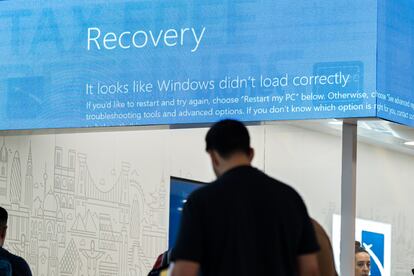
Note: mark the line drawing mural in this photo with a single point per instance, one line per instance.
(4, 162)
(65, 220)
(92, 256)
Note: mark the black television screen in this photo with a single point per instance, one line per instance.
(180, 189)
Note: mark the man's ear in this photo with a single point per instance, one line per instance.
(251, 154)
(3, 232)
(214, 157)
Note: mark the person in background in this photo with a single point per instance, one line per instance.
(325, 255)
(245, 223)
(16, 264)
(362, 260)
(161, 264)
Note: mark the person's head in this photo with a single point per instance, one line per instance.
(228, 144)
(362, 260)
(3, 225)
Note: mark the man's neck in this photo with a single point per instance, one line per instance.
(234, 162)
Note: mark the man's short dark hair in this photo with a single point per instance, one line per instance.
(3, 217)
(228, 137)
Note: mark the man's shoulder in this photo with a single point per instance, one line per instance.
(272, 183)
(22, 265)
(208, 190)
(5, 254)
(16, 262)
(17, 259)
(202, 192)
(20, 260)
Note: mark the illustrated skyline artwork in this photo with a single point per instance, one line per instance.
(66, 223)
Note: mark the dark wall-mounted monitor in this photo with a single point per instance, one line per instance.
(180, 189)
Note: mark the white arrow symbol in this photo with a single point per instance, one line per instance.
(374, 258)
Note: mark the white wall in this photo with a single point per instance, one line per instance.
(385, 193)
(118, 221)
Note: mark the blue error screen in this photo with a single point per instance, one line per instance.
(100, 63)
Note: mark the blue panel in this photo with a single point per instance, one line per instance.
(396, 61)
(23, 93)
(376, 242)
(100, 63)
(180, 189)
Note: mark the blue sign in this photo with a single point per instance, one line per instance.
(374, 236)
(99, 63)
(396, 61)
(375, 243)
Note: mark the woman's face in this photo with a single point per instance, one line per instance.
(362, 264)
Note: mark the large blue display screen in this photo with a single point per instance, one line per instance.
(396, 61)
(180, 189)
(111, 63)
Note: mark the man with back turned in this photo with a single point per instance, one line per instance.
(10, 264)
(244, 223)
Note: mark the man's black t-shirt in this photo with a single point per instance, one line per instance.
(245, 223)
(18, 264)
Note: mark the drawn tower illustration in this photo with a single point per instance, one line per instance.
(16, 180)
(4, 160)
(28, 195)
(83, 178)
(64, 179)
(123, 183)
